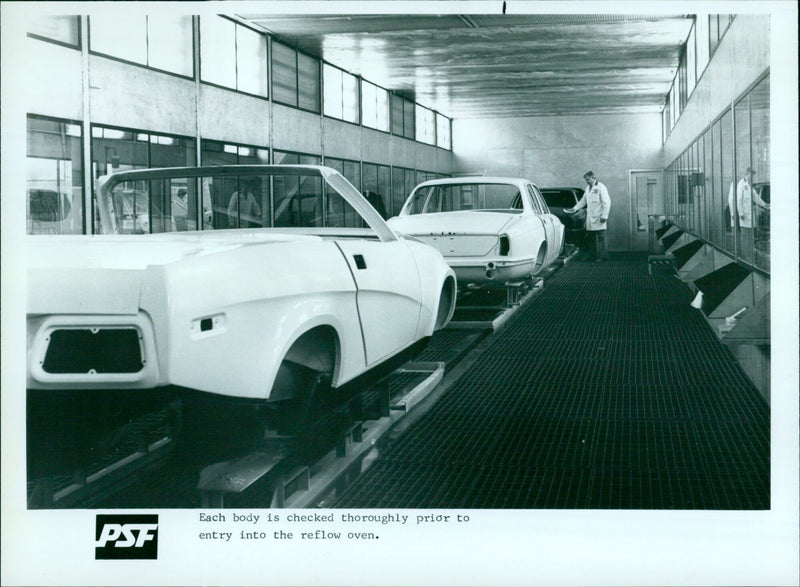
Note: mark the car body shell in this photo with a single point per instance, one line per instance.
(559, 198)
(486, 246)
(218, 311)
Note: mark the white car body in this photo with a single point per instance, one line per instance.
(512, 237)
(219, 311)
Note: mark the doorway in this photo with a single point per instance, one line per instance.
(646, 203)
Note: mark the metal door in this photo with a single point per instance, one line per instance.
(388, 294)
(646, 201)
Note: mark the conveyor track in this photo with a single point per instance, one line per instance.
(607, 391)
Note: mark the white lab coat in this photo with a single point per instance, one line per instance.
(597, 203)
(746, 196)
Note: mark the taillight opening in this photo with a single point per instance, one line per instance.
(505, 245)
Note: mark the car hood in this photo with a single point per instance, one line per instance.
(462, 222)
(107, 272)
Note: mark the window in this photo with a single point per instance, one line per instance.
(350, 110)
(691, 62)
(377, 187)
(308, 83)
(403, 182)
(713, 33)
(233, 56)
(339, 212)
(682, 83)
(720, 224)
(369, 102)
(397, 114)
(284, 74)
(760, 161)
(127, 42)
(442, 131)
(374, 106)
(115, 149)
(170, 39)
(467, 196)
(341, 94)
(163, 42)
(251, 62)
(425, 125)
(62, 29)
(408, 119)
(220, 153)
(382, 109)
(701, 38)
(296, 198)
(288, 158)
(708, 185)
(402, 114)
(54, 170)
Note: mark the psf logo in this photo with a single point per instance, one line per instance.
(133, 536)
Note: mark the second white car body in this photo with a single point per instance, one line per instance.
(489, 229)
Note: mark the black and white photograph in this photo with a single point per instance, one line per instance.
(400, 293)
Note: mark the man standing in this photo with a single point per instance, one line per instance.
(598, 204)
(746, 197)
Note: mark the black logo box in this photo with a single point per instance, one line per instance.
(126, 536)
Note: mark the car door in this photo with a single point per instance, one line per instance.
(388, 295)
(553, 232)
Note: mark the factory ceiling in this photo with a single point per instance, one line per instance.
(494, 66)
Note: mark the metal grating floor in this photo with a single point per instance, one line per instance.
(607, 391)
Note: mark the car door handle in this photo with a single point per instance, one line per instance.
(360, 262)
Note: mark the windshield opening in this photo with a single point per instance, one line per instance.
(184, 203)
(466, 196)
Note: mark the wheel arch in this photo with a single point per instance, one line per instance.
(318, 348)
(447, 302)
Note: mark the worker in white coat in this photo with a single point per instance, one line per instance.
(598, 204)
(746, 196)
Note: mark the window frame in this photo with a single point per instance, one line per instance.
(199, 45)
(147, 65)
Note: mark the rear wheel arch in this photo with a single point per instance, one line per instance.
(317, 349)
(541, 255)
(447, 303)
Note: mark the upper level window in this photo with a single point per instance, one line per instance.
(442, 131)
(308, 90)
(691, 62)
(284, 74)
(163, 42)
(701, 38)
(295, 78)
(402, 117)
(374, 106)
(341, 94)
(63, 29)
(233, 56)
(426, 125)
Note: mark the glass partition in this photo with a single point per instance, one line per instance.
(54, 182)
(719, 187)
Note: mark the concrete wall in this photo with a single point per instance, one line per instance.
(557, 150)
